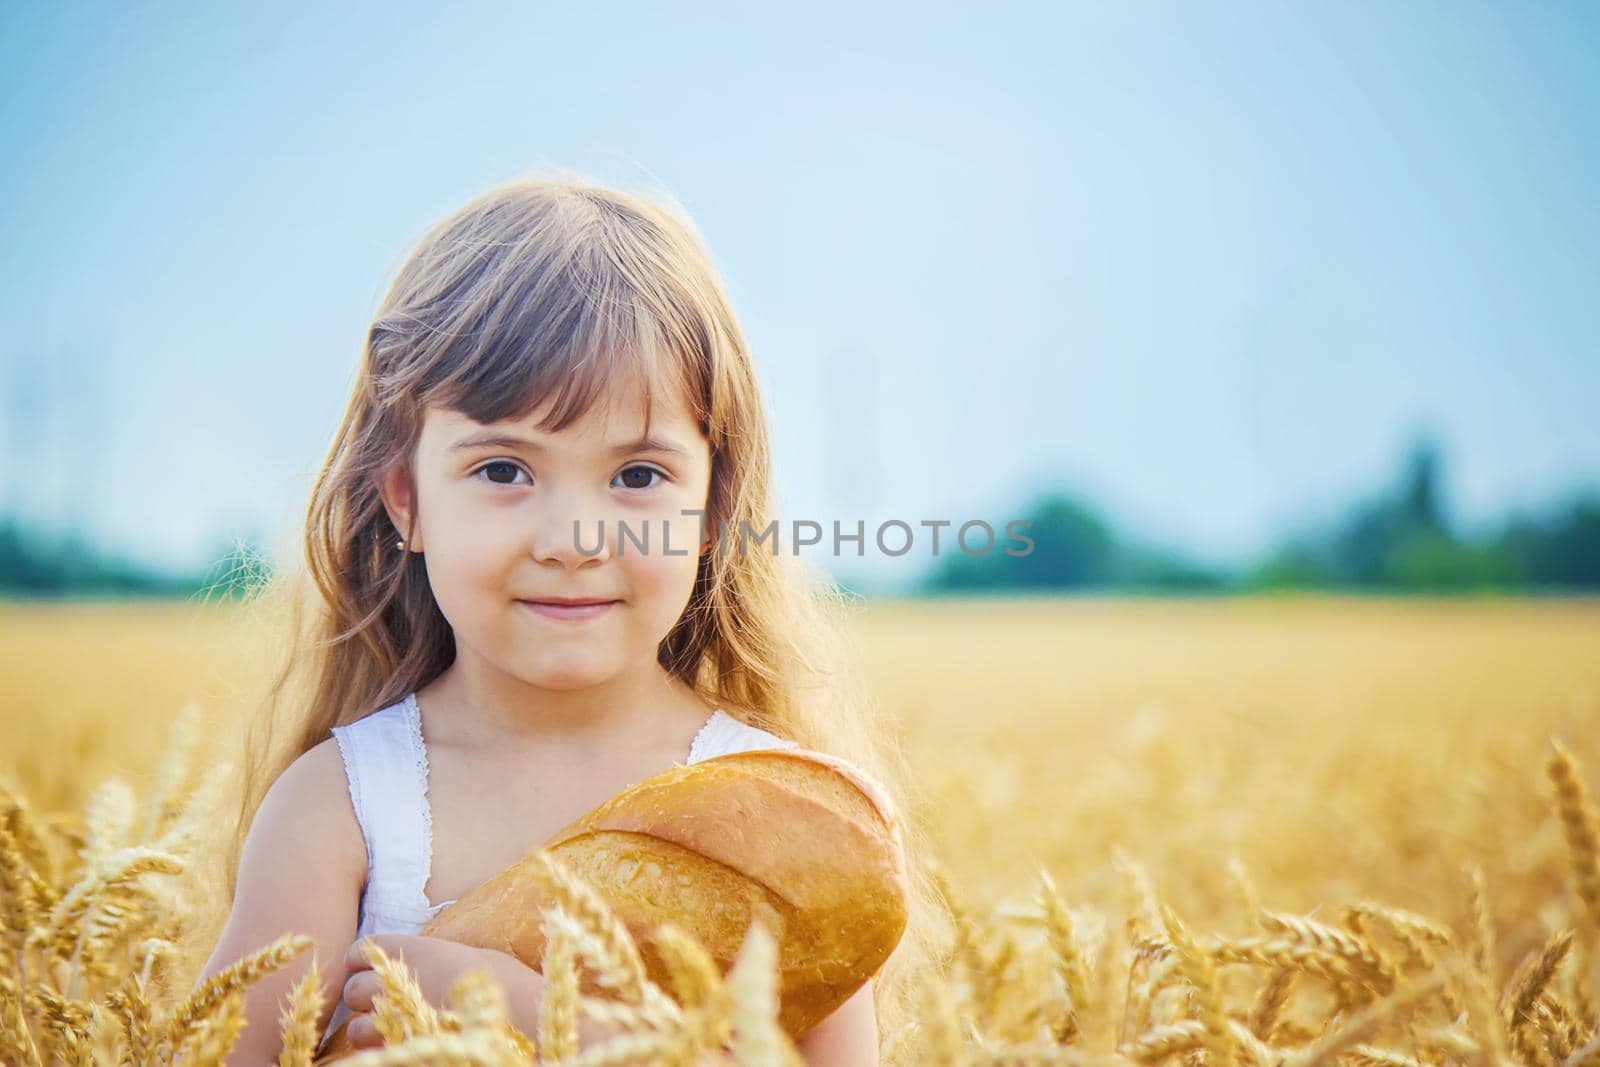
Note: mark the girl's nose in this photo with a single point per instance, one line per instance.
(571, 539)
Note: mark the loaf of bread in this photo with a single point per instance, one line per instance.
(805, 840)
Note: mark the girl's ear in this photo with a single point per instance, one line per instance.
(709, 539)
(398, 493)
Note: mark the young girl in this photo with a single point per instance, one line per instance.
(486, 660)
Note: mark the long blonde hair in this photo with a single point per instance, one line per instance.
(539, 288)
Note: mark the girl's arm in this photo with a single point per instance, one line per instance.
(846, 1038)
(300, 871)
(525, 1000)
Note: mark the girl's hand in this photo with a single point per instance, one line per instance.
(436, 963)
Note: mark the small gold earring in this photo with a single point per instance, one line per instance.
(400, 545)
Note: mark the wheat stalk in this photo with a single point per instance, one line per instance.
(1389, 987)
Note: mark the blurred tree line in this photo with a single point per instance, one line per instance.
(35, 563)
(1400, 541)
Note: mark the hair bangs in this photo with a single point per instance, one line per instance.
(561, 345)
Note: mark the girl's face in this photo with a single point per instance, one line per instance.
(498, 507)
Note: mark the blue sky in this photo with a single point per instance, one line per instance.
(1210, 264)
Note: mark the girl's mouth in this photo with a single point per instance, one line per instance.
(575, 612)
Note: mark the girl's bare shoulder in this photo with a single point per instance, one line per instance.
(297, 874)
(315, 791)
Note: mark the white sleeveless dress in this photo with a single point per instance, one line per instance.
(386, 767)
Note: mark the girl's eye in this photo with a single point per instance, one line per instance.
(499, 463)
(636, 470)
(640, 474)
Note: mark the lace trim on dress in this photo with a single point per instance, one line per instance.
(420, 748)
(357, 798)
(699, 737)
(724, 734)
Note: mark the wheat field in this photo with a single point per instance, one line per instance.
(1268, 831)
